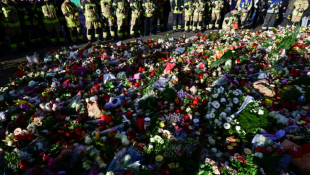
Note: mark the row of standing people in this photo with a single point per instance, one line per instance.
(33, 20)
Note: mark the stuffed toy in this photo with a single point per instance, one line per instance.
(260, 86)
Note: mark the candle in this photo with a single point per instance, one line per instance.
(141, 124)
(129, 114)
(147, 122)
(186, 118)
(107, 117)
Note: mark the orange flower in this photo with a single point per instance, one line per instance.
(220, 54)
(231, 48)
(214, 56)
(225, 50)
(177, 101)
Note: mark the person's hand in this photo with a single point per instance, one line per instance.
(244, 11)
(284, 8)
(263, 10)
(276, 7)
(300, 10)
(74, 18)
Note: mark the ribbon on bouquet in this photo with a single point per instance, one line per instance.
(247, 100)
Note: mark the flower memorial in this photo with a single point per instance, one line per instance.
(220, 103)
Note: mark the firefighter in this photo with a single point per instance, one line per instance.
(273, 7)
(199, 6)
(167, 10)
(230, 20)
(107, 18)
(12, 24)
(136, 8)
(149, 9)
(24, 9)
(189, 12)
(50, 20)
(61, 19)
(244, 6)
(177, 6)
(300, 6)
(217, 7)
(91, 11)
(37, 25)
(207, 14)
(121, 7)
(159, 15)
(71, 12)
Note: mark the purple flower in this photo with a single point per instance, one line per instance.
(26, 107)
(182, 94)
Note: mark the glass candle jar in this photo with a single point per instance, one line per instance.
(147, 122)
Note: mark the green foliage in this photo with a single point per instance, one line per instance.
(289, 40)
(250, 119)
(227, 55)
(291, 94)
(169, 94)
(148, 104)
(248, 168)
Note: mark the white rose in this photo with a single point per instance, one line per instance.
(238, 128)
(260, 112)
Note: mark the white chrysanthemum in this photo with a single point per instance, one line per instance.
(88, 140)
(208, 116)
(223, 114)
(236, 93)
(223, 100)
(215, 95)
(216, 121)
(212, 115)
(213, 110)
(226, 125)
(236, 100)
(228, 119)
(227, 109)
(231, 104)
(216, 104)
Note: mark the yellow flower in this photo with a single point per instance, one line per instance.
(268, 102)
(162, 124)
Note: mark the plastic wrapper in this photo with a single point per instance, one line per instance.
(159, 84)
(115, 128)
(37, 145)
(77, 151)
(124, 159)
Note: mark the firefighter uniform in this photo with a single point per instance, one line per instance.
(91, 11)
(273, 7)
(300, 6)
(149, 9)
(37, 24)
(177, 6)
(121, 7)
(24, 9)
(199, 6)
(228, 22)
(136, 8)
(207, 14)
(243, 5)
(71, 12)
(217, 7)
(107, 18)
(159, 14)
(189, 12)
(167, 9)
(61, 18)
(11, 24)
(50, 20)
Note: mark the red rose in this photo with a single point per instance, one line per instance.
(264, 150)
(23, 164)
(30, 137)
(258, 149)
(67, 134)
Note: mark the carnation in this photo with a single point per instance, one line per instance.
(216, 104)
(17, 131)
(236, 100)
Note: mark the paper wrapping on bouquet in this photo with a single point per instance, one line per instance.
(220, 82)
(76, 152)
(38, 144)
(124, 158)
(32, 59)
(247, 100)
(169, 67)
(259, 76)
(279, 134)
(300, 155)
(260, 86)
(107, 77)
